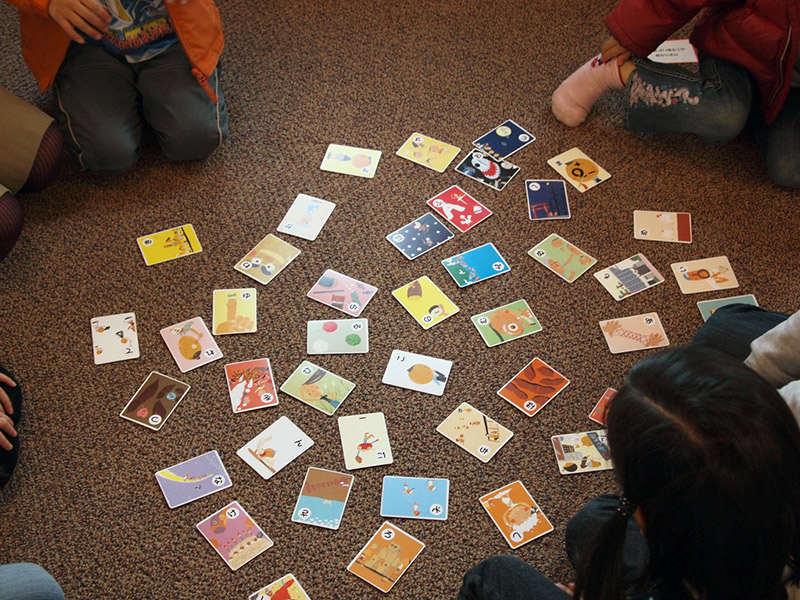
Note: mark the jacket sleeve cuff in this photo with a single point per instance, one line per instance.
(41, 7)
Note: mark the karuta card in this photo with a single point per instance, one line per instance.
(234, 311)
(269, 257)
(505, 139)
(629, 277)
(659, 226)
(306, 217)
(578, 169)
(674, 51)
(385, 557)
(365, 441)
(351, 161)
(705, 275)
(114, 338)
(234, 535)
(191, 344)
(420, 236)
(533, 387)
(709, 307)
(317, 387)
(322, 498)
(287, 587)
(339, 336)
(484, 169)
(598, 414)
(191, 479)
(428, 152)
(459, 208)
(547, 199)
(475, 432)
(505, 323)
(638, 332)
(251, 385)
(154, 401)
(476, 265)
(582, 452)
(342, 292)
(425, 302)
(417, 372)
(169, 244)
(275, 447)
(415, 497)
(516, 514)
(562, 258)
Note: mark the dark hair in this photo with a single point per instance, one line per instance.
(710, 454)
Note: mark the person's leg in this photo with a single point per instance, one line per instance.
(732, 328)
(99, 109)
(188, 124)
(47, 162)
(27, 581)
(8, 458)
(780, 143)
(508, 578)
(11, 220)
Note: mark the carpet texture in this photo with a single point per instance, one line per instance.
(298, 76)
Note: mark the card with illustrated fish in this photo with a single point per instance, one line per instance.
(154, 401)
(234, 535)
(317, 387)
(415, 498)
(516, 514)
(476, 265)
(365, 441)
(428, 152)
(475, 432)
(306, 217)
(251, 385)
(417, 372)
(425, 302)
(582, 452)
(533, 387)
(629, 277)
(234, 311)
(578, 169)
(420, 236)
(169, 244)
(562, 258)
(505, 323)
(191, 479)
(114, 338)
(269, 257)
(638, 332)
(385, 557)
(547, 199)
(709, 307)
(598, 414)
(191, 344)
(275, 447)
(484, 169)
(342, 292)
(660, 226)
(338, 336)
(323, 498)
(351, 161)
(459, 208)
(505, 139)
(704, 275)
(287, 587)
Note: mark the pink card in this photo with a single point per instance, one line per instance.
(342, 292)
(191, 344)
(459, 208)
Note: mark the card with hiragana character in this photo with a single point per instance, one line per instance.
(269, 257)
(705, 275)
(114, 338)
(317, 387)
(169, 244)
(478, 434)
(505, 323)
(323, 498)
(234, 311)
(660, 226)
(420, 236)
(481, 167)
(191, 344)
(155, 401)
(365, 441)
(342, 292)
(192, 479)
(251, 385)
(275, 447)
(385, 557)
(306, 217)
(505, 139)
(516, 514)
(459, 208)
(476, 265)
(578, 169)
(425, 302)
(234, 535)
(629, 277)
(582, 452)
(417, 372)
(638, 332)
(351, 161)
(547, 199)
(428, 152)
(562, 258)
(337, 336)
(415, 497)
(287, 587)
(533, 387)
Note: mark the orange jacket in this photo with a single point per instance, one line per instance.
(197, 25)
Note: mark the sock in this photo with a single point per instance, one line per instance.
(574, 98)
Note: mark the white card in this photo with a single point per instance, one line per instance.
(306, 217)
(417, 372)
(114, 338)
(674, 51)
(275, 447)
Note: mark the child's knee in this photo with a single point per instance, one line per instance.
(193, 142)
(110, 156)
(784, 170)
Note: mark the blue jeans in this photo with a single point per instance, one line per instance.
(732, 328)
(26, 581)
(102, 100)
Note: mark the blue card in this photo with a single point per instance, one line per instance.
(547, 199)
(415, 498)
(476, 265)
(420, 236)
(708, 307)
(502, 141)
(322, 498)
(192, 479)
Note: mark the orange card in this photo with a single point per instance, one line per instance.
(386, 556)
(598, 414)
(516, 515)
(533, 387)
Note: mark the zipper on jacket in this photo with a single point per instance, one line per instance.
(780, 64)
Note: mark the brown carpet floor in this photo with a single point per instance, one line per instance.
(84, 502)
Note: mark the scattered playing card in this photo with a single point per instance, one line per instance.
(516, 514)
(580, 170)
(502, 141)
(385, 557)
(154, 401)
(169, 244)
(425, 302)
(420, 236)
(287, 587)
(505, 323)
(322, 498)
(340, 336)
(191, 344)
(365, 441)
(251, 385)
(191, 479)
(317, 387)
(415, 498)
(484, 169)
(428, 152)
(275, 447)
(598, 414)
(306, 217)
(459, 208)
(342, 292)
(561, 257)
(475, 432)
(533, 387)
(234, 535)
(629, 277)
(269, 257)
(705, 275)
(673, 52)
(234, 311)
(547, 199)
(114, 338)
(709, 307)
(417, 372)
(476, 265)
(351, 161)
(582, 452)
(660, 226)
(638, 332)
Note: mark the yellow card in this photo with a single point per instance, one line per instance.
(428, 152)
(269, 257)
(234, 311)
(426, 302)
(580, 170)
(168, 244)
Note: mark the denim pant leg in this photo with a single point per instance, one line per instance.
(26, 581)
(732, 328)
(780, 143)
(508, 578)
(8, 458)
(713, 103)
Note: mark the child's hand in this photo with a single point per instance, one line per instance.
(612, 49)
(5, 401)
(7, 426)
(89, 16)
